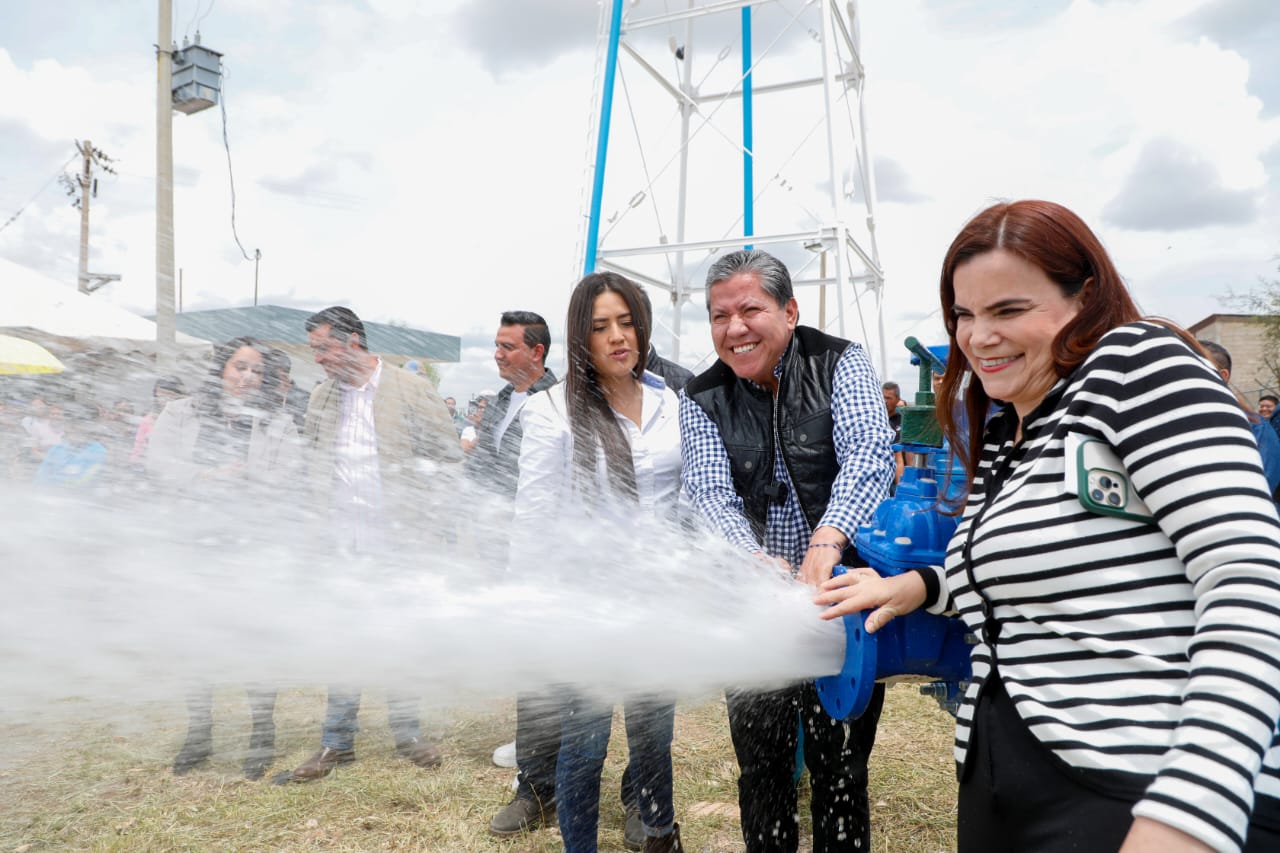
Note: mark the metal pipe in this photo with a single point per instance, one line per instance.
(829, 70)
(687, 107)
(748, 138)
(602, 141)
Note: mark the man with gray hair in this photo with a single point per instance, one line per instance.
(786, 447)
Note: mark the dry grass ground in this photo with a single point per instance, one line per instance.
(106, 786)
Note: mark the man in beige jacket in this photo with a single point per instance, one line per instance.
(379, 441)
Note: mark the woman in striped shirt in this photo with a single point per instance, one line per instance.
(1118, 560)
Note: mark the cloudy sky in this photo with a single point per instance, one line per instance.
(425, 162)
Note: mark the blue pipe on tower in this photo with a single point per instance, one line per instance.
(602, 141)
(748, 141)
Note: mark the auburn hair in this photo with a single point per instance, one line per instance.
(1061, 245)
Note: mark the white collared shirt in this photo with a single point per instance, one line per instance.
(546, 493)
(357, 480)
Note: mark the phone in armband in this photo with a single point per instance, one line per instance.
(1100, 480)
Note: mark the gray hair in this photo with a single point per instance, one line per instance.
(768, 270)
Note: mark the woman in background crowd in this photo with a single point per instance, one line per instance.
(1118, 559)
(231, 436)
(166, 390)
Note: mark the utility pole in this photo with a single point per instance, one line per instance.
(84, 187)
(257, 256)
(86, 181)
(166, 323)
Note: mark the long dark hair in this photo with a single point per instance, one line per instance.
(209, 401)
(592, 420)
(1060, 244)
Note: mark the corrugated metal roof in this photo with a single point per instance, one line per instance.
(287, 325)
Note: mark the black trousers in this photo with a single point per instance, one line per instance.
(1015, 797)
(538, 743)
(764, 731)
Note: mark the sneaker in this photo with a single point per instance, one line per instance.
(520, 815)
(505, 755)
(633, 832)
(664, 844)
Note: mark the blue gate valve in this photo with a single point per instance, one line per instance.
(919, 644)
(908, 530)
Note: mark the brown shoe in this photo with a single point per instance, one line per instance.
(419, 751)
(523, 814)
(317, 766)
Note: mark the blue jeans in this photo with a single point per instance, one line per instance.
(584, 742)
(340, 727)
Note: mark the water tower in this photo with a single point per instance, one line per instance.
(732, 123)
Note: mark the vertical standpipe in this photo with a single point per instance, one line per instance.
(748, 141)
(602, 141)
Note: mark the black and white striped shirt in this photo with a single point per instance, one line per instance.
(1145, 656)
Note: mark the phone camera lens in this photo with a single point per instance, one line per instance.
(1105, 482)
(1098, 494)
(1113, 499)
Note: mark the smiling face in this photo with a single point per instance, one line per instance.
(518, 363)
(1266, 407)
(1007, 314)
(613, 343)
(749, 328)
(242, 374)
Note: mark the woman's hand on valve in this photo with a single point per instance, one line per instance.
(864, 589)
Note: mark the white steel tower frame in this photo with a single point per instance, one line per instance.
(676, 262)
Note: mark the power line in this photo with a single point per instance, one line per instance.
(39, 192)
(197, 19)
(200, 20)
(231, 178)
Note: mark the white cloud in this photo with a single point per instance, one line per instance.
(379, 160)
(1173, 188)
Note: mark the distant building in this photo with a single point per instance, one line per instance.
(285, 328)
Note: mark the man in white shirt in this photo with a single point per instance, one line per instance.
(520, 351)
(367, 429)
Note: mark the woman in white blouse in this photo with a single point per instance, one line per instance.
(604, 445)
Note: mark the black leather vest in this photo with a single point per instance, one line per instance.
(749, 422)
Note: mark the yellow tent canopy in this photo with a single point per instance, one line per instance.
(18, 355)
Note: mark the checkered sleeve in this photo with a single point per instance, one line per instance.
(708, 479)
(863, 440)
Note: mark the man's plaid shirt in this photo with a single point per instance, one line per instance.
(863, 441)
